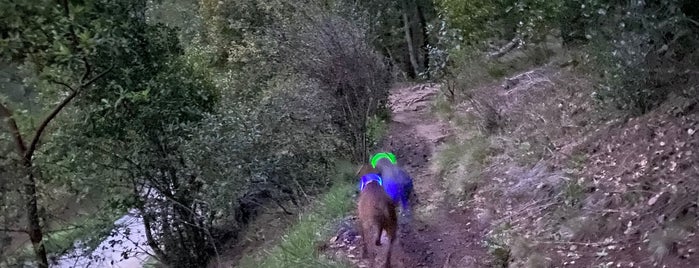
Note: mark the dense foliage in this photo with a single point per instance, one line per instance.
(638, 49)
(199, 113)
(196, 127)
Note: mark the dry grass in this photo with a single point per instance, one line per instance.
(460, 164)
(295, 243)
(589, 187)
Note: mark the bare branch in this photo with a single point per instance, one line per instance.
(37, 135)
(44, 123)
(62, 84)
(74, 227)
(514, 43)
(74, 40)
(10, 230)
(696, 23)
(97, 77)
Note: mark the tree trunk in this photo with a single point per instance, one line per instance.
(147, 224)
(26, 150)
(425, 39)
(409, 41)
(32, 205)
(35, 234)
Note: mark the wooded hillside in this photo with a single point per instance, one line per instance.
(200, 114)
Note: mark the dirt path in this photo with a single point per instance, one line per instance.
(440, 234)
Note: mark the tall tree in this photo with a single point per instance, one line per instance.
(42, 35)
(136, 94)
(399, 29)
(407, 7)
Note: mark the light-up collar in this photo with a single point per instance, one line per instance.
(366, 179)
(375, 159)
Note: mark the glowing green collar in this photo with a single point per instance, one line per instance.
(375, 159)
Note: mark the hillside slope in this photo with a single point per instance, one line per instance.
(528, 172)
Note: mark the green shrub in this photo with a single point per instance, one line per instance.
(641, 49)
(376, 130)
(481, 20)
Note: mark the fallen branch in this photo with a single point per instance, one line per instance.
(514, 43)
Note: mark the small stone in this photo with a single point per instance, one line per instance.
(466, 261)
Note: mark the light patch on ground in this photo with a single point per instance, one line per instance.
(427, 211)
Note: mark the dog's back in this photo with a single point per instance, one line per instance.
(376, 211)
(375, 206)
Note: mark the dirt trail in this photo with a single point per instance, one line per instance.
(440, 234)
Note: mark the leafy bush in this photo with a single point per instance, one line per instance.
(280, 149)
(640, 49)
(645, 47)
(376, 130)
(335, 52)
(501, 20)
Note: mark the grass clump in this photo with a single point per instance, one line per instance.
(461, 162)
(298, 247)
(442, 106)
(497, 242)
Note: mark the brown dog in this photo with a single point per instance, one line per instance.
(377, 212)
